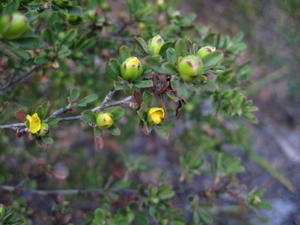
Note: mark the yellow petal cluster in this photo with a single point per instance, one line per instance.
(156, 115)
(34, 123)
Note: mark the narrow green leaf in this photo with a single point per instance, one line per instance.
(88, 99)
(143, 84)
(74, 94)
(124, 52)
(212, 60)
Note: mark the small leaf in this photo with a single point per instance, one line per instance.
(124, 52)
(88, 99)
(113, 69)
(89, 116)
(181, 48)
(212, 60)
(165, 193)
(69, 37)
(117, 113)
(154, 63)
(74, 94)
(147, 99)
(64, 52)
(143, 84)
(171, 55)
(41, 59)
(142, 44)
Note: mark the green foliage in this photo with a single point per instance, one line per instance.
(78, 58)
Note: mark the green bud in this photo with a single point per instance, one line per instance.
(104, 120)
(189, 107)
(91, 14)
(131, 69)
(104, 6)
(61, 35)
(204, 51)
(4, 24)
(190, 68)
(44, 129)
(155, 44)
(17, 25)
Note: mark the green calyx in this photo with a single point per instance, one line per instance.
(190, 68)
(91, 14)
(155, 44)
(131, 69)
(206, 50)
(12, 27)
(44, 130)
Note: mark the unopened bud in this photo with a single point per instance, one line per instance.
(204, 51)
(131, 69)
(155, 44)
(190, 68)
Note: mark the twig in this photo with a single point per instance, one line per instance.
(64, 192)
(18, 79)
(119, 38)
(20, 127)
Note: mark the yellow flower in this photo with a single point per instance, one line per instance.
(34, 123)
(156, 115)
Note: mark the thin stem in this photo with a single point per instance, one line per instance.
(63, 192)
(18, 79)
(126, 101)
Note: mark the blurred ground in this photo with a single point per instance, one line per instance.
(272, 31)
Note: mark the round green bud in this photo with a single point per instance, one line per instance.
(155, 44)
(104, 120)
(104, 6)
(91, 14)
(204, 51)
(131, 69)
(190, 68)
(61, 35)
(189, 107)
(4, 24)
(44, 129)
(17, 26)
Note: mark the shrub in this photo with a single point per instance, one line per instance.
(154, 70)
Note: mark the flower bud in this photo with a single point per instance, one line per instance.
(104, 120)
(105, 6)
(156, 115)
(204, 51)
(17, 25)
(33, 123)
(91, 14)
(4, 24)
(155, 44)
(44, 129)
(142, 26)
(190, 68)
(131, 69)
